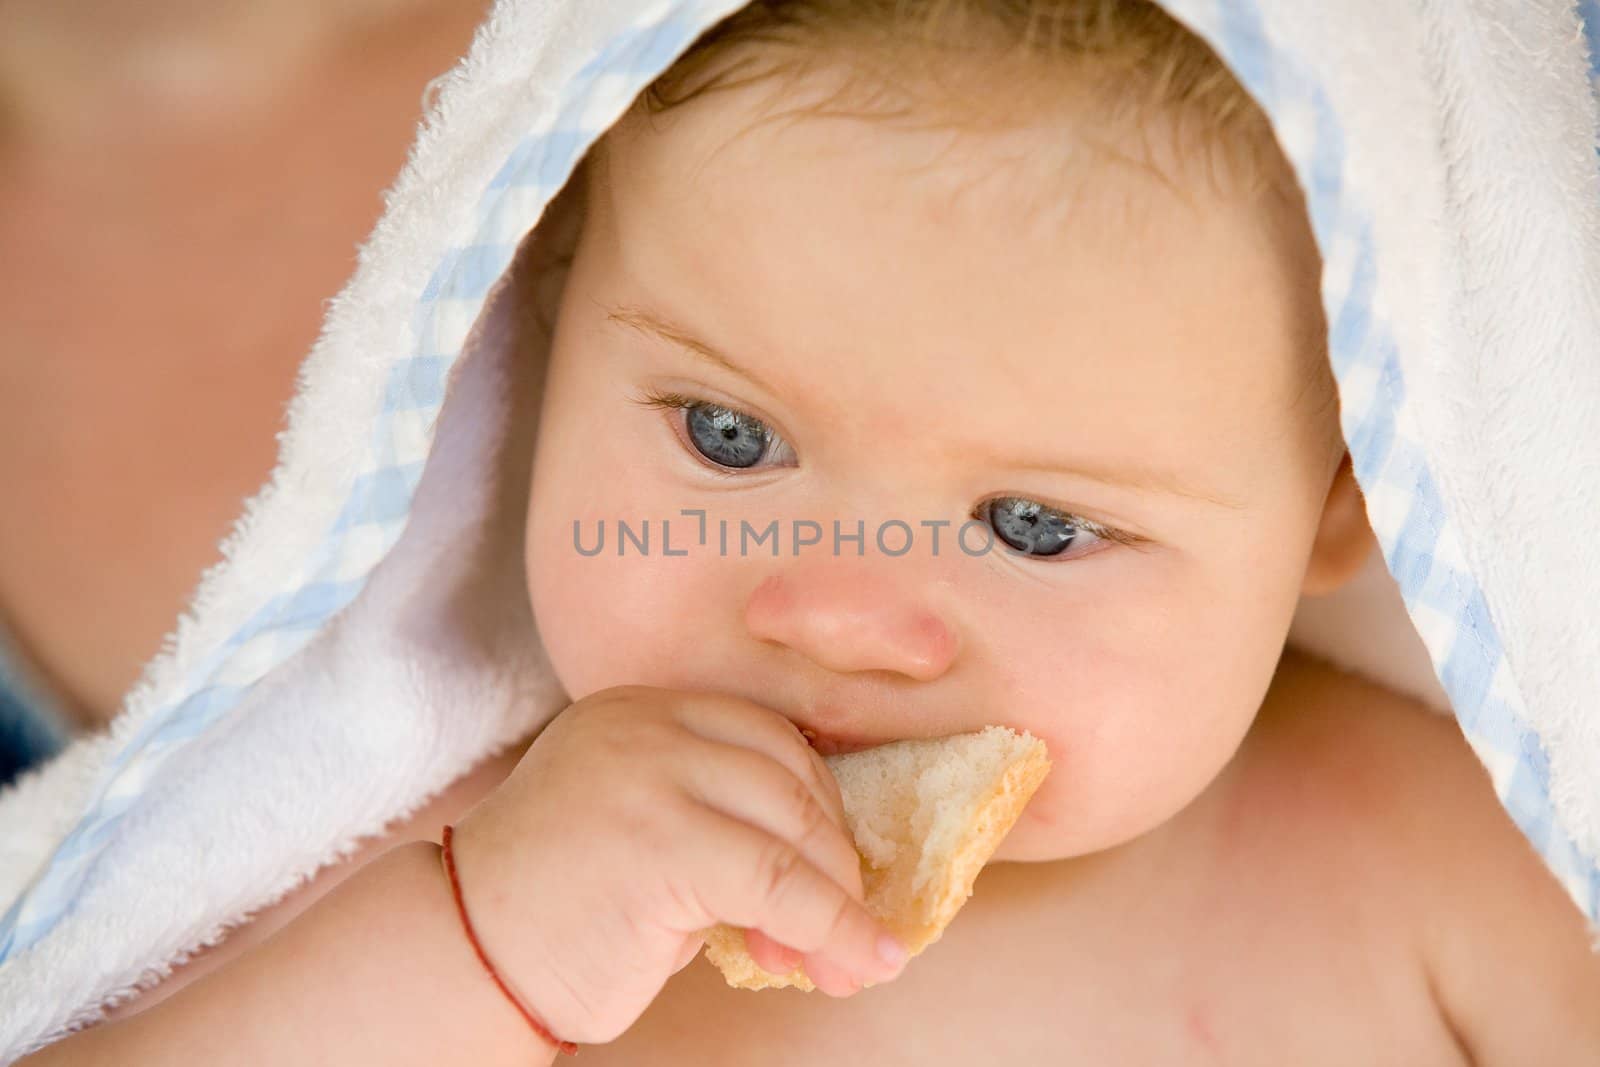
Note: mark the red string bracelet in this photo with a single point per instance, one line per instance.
(455, 887)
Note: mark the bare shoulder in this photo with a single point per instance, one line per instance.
(1506, 952)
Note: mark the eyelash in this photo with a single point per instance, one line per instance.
(668, 400)
(671, 401)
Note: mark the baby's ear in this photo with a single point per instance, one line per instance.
(1344, 538)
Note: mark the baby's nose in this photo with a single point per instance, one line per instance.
(849, 618)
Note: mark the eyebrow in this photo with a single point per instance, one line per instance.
(648, 322)
(1148, 479)
(1144, 478)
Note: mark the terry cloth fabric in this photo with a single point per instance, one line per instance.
(364, 641)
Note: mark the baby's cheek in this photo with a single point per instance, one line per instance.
(1132, 742)
(608, 620)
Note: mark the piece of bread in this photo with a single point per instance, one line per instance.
(926, 816)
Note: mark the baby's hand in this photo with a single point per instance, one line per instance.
(641, 816)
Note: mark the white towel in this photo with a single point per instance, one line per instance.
(371, 596)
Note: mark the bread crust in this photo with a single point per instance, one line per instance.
(917, 915)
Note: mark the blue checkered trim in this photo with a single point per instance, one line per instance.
(1418, 538)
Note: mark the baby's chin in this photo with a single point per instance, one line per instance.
(1041, 836)
(1041, 848)
(1037, 838)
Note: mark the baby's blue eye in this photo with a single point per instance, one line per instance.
(727, 437)
(1031, 528)
(733, 440)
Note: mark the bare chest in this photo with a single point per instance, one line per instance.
(1177, 956)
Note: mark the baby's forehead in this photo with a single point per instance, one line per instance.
(871, 271)
(1054, 185)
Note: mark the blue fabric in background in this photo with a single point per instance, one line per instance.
(1589, 12)
(32, 727)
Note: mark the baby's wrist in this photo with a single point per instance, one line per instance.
(491, 1030)
(452, 876)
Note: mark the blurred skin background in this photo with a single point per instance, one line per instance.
(183, 185)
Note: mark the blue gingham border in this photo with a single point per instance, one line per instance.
(1418, 539)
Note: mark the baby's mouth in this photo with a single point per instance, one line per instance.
(835, 746)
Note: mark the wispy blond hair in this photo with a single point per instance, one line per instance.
(996, 62)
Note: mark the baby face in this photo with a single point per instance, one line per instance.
(997, 339)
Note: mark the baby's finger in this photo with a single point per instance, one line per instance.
(749, 878)
(774, 957)
(718, 717)
(831, 798)
(832, 979)
(691, 948)
(751, 786)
